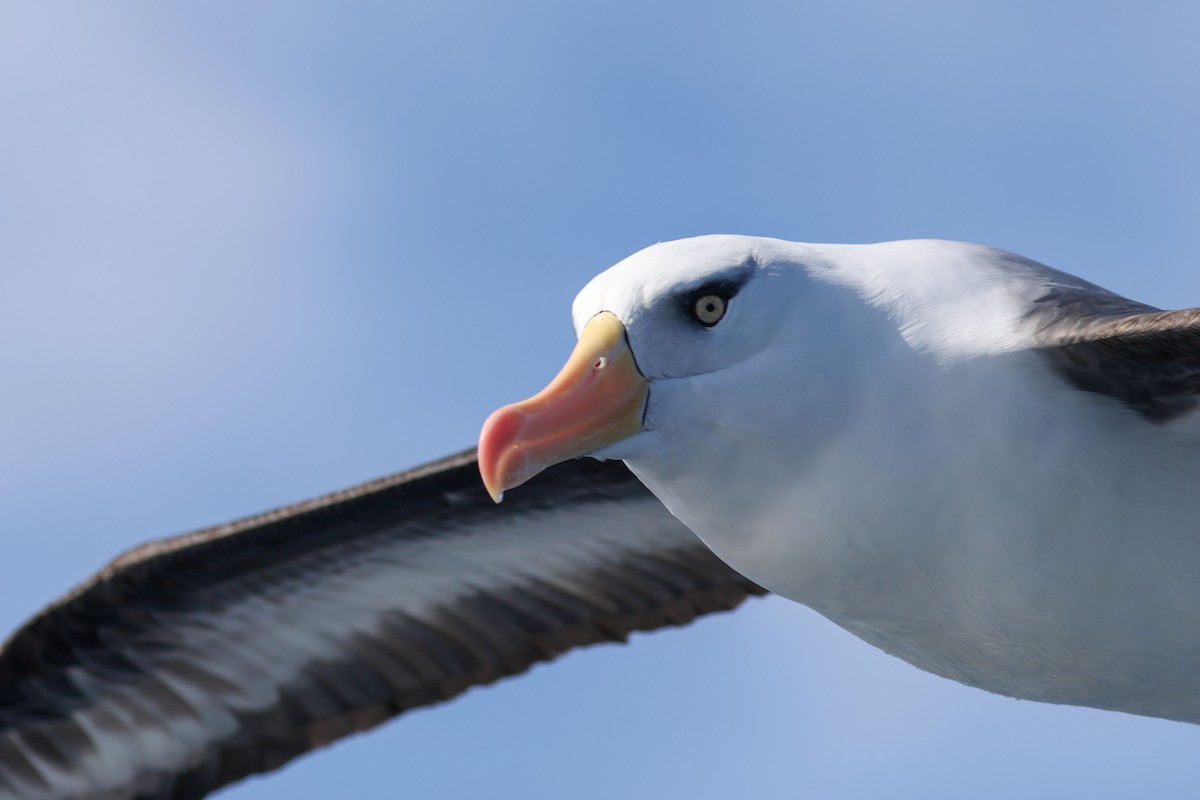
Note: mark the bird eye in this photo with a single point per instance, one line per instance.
(709, 309)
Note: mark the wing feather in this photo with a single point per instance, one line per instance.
(1145, 358)
(191, 662)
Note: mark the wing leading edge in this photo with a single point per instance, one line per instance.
(191, 662)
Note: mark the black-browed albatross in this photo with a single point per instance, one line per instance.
(984, 466)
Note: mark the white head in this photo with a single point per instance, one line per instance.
(746, 359)
(788, 354)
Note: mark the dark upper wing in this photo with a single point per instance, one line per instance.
(1145, 358)
(191, 662)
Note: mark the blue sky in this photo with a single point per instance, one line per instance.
(250, 254)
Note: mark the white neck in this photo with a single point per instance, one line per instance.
(938, 514)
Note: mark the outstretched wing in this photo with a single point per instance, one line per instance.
(1100, 342)
(191, 662)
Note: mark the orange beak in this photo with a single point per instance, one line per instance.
(597, 399)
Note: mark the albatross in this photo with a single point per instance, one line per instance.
(984, 466)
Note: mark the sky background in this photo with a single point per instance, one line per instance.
(254, 252)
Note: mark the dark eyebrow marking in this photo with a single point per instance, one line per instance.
(724, 284)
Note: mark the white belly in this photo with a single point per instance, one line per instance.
(1058, 566)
